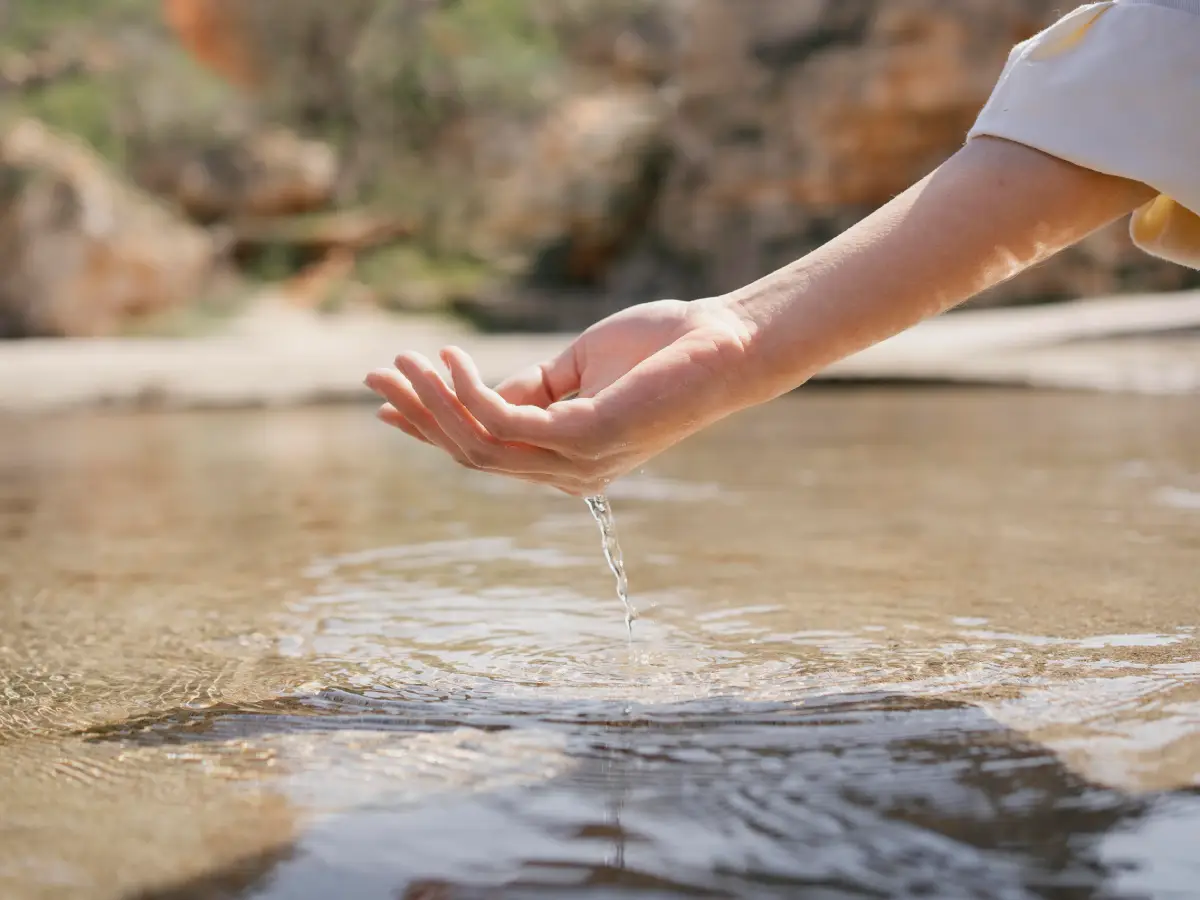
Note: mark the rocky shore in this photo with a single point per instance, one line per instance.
(527, 165)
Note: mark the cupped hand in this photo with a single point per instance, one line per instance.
(626, 389)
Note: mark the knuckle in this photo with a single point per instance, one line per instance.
(481, 454)
(471, 456)
(483, 413)
(497, 426)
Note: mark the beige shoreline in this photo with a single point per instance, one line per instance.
(280, 357)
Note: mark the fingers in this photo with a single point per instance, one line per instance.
(389, 415)
(479, 445)
(538, 385)
(506, 421)
(410, 414)
(423, 406)
(572, 487)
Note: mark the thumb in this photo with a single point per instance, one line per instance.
(546, 383)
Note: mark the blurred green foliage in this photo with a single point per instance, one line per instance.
(27, 24)
(81, 106)
(381, 69)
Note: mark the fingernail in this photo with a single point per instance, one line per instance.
(414, 368)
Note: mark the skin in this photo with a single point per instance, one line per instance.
(645, 378)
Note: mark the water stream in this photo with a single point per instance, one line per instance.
(602, 512)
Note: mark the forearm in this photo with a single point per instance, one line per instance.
(989, 212)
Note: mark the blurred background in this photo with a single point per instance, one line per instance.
(528, 165)
(893, 642)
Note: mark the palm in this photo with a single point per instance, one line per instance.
(644, 377)
(627, 388)
(600, 356)
(610, 349)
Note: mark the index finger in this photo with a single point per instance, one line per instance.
(559, 427)
(543, 384)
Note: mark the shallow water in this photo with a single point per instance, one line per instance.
(934, 644)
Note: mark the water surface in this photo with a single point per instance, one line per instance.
(935, 644)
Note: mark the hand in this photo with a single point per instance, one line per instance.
(626, 389)
(647, 377)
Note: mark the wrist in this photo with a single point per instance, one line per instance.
(781, 351)
(755, 371)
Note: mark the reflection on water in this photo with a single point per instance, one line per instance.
(895, 644)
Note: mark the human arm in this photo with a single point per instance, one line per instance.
(653, 375)
(991, 211)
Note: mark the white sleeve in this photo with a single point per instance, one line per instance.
(1115, 87)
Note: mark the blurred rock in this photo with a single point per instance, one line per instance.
(785, 124)
(317, 283)
(347, 229)
(582, 190)
(794, 120)
(267, 173)
(28, 71)
(524, 308)
(689, 146)
(81, 251)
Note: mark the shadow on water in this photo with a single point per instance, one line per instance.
(239, 879)
(865, 796)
